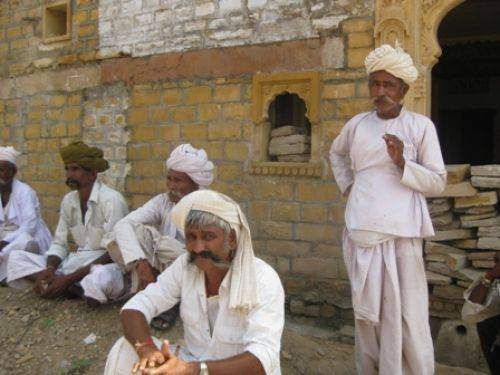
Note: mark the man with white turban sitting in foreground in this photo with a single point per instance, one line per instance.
(88, 212)
(146, 241)
(21, 224)
(232, 303)
(386, 161)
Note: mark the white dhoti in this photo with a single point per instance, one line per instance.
(23, 242)
(22, 264)
(160, 251)
(122, 357)
(390, 301)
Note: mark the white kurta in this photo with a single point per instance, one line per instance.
(104, 208)
(22, 224)
(386, 217)
(156, 214)
(259, 332)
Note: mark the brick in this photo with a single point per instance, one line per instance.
(208, 112)
(12, 119)
(328, 251)
(356, 57)
(143, 133)
(138, 152)
(227, 93)
(285, 211)
(71, 114)
(194, 131)
(314, 232)
(457, 173)
(341, 90)
(170, 132)
(236, 111)
(19, 44)
(198, 94)
(32, 131)
(14, 32)
(74, 130)
(276, 230)
(315, 266)
(314, 213)
(361, 39)
(67, 59)
(172, 97)
(347, 108)
(58, 130)
(229, 172)
(283, 265)
(86, 30)
(159, 115)
(87, 56)
(224, 131)
(57, 100)
(145, 98)
(310, 192)
(148, 168)
(185, 114)
(138, 116)
(288, 248)
(481, 199)
(356, 25)
(257, 210)
(81, 16)
(269, 189)
(237, 151)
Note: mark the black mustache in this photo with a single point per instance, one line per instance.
(206, 254)
(73, 184)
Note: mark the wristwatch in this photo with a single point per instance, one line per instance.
(203, 368)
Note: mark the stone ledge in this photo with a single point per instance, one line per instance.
(286, 169)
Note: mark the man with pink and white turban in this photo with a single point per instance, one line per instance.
(146, 241)
(21, 225)
(386, 161)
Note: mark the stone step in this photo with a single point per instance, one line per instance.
(453, 292)
(486, 182)
(445, 218)
(462, 189)
(468, 274)
(481, 199)
(487, 264)
(438, 206)
(457, 173)
(453, 234)
(470, 243)
(486, 215)
(488, 243)
(493, 221)
(493, 231)
(481, 255)
(437, 279)
(486, 170)
(439, 248)
(287, 130)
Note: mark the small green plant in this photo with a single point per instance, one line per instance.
(48, 322)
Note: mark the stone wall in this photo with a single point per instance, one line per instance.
(139, 109)
(145, 27)
(22, 50)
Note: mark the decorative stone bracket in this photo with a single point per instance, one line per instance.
(265, 88)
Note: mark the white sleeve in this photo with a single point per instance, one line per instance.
(59, 245)
(28, 216)
(428, 174)
(160, 296)
(340, 162)
(265, 324)
(126, 237)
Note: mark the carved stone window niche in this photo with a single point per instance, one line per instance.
(287, 105)
(57, 21)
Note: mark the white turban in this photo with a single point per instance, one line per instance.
(394, 61)
(9, 154)
(194, 162)
(242, 291)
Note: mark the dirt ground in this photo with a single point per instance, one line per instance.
(47, 337)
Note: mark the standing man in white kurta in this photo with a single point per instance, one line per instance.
(21, 224)
(87, 213)
(232, 303)
(386, 161)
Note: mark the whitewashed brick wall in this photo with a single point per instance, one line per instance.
(144, 27)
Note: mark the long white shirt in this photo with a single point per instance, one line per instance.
(24, 214)
(155, 213)
(104, 208)
(383, 198)
(259, 332)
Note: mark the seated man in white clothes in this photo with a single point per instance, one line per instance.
(88, 212)
(232, 303)
(146, 241)
(21, 224)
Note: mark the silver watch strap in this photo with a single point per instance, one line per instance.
(203, 368)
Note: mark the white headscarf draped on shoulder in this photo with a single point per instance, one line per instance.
(242, 292)
(9, 154)
(194, 162)
(394, 61)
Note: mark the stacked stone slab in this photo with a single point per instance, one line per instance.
(467, 235)
(290, 144)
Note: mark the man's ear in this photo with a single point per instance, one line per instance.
(233, 241)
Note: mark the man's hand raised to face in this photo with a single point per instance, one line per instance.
(395, 148)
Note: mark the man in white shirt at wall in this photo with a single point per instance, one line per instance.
(232, 304)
